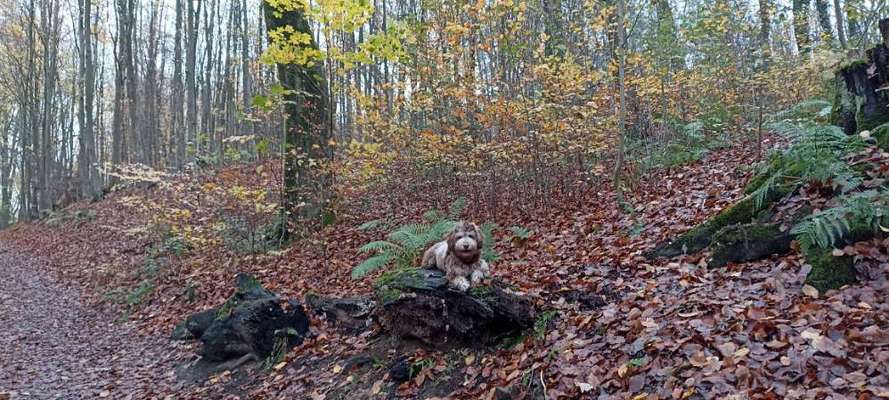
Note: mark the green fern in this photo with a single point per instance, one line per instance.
(862, 211)
(456, 208)
(373, 224)
(488, 253)
(818, 153)
(372, 263)
(404, 245)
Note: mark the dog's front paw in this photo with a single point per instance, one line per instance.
(477, 276)
(460, 283)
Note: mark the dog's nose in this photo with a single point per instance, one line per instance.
(465, 247)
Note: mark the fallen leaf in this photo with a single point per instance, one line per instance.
(810, 291)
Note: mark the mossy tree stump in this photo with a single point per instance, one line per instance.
(419, 304)
(251, 324)
(861, 103)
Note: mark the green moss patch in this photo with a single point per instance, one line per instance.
(828, 272)
(389, 286)
(739, 243)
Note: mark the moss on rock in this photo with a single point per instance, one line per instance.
(868, 118)
(389, 286)
(828, 272)
(748, 242)
(850, 65)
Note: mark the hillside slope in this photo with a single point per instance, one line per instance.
(616, 324)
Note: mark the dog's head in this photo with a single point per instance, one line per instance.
(466, 242)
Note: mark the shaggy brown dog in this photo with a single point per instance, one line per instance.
(459, 256)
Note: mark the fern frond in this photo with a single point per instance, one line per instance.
(488, 252)
(371, 224)
(433, 215)
(378, 245)
(369, 265)
(456, 208)
(864, 210)
(762, 192)
(806, 109)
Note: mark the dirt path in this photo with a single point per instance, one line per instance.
(54, 346)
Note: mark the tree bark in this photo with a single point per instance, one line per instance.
(307, 131)
(801, 25)
(841, 29)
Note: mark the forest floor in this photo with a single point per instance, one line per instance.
(55, 346)
(613, 325)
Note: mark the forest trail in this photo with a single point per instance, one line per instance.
(56, 346)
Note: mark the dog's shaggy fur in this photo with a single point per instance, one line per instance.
(459, 256)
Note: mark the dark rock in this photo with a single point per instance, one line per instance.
(585, 300)
(400, 370)
(357, 362)
(352, 314)
(419, 304)
(194, 326)
(250, 322)
(748, 242)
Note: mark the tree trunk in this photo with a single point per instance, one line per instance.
(801, 25)
(307, 130)
(90, 181)
(841, 29)
(824, 17)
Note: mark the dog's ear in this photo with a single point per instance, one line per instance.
(480, 238)
(451, 238)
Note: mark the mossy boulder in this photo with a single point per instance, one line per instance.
(833, 272)
(351, 314)
(419, 304)
(748, 242)
(828, 272)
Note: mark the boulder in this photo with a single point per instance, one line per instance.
(251, 322)
(748, 242)
(419, 304)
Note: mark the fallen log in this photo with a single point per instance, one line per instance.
(419, 304)
(748, 242)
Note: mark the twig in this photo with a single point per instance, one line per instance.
(542, 383)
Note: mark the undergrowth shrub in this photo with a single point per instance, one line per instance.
(688, 143)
